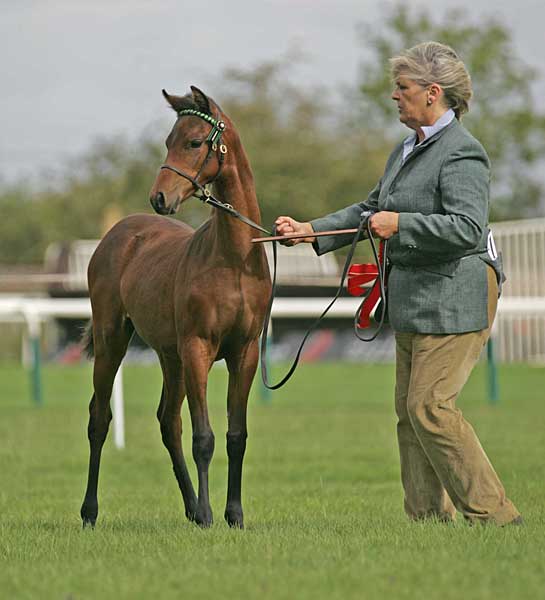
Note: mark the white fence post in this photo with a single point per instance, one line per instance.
(118, 409)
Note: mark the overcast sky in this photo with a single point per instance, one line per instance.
(76, 70)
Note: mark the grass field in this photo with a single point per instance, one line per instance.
(321, 493)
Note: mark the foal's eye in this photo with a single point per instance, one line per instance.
(195, 143)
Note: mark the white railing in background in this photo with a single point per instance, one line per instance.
(522, 244)
(520, 334)
(35, 311)
(520, 331)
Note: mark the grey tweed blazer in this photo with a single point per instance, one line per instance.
(438, 280)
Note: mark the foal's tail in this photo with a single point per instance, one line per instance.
(87, 341)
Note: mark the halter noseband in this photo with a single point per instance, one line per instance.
(213, 140)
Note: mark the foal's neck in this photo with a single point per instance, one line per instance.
(236, 187)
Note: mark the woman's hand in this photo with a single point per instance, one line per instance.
(384, 224)
(286, 225)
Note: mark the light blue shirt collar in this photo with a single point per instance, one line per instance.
(442, 121)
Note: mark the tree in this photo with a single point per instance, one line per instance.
(503, 115)
(309, 155)
(306, 160)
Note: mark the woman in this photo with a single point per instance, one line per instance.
(432, 206)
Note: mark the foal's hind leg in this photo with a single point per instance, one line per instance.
(242, 368)
(110, 345)
(169, 417)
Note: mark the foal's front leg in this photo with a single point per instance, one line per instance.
(169, 416)
(196, 364)
(242, 368)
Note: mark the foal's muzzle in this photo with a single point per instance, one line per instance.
(159, 203)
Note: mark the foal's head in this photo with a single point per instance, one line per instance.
(195, 151)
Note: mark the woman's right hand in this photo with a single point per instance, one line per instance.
(286, 225)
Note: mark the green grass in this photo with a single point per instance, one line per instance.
(321, 491)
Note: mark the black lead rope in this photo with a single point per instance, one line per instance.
(207, 198)
(364, 223)
(213, 138)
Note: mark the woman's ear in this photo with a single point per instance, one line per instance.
(435, 93)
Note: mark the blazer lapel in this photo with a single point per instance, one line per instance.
(398, 165)
(391, 174)
(419, 149)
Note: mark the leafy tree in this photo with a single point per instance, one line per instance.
(23, 236)
(503, 115)
(113, 173)
(306, 160)
(311, 150)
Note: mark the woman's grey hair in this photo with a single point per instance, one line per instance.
(432, 62)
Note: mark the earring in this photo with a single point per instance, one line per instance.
(430, 101)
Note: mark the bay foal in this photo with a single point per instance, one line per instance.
(194, 296)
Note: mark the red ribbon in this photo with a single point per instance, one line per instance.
(358, 276)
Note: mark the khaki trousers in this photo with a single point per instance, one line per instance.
(443, 465)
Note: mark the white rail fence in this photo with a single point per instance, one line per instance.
(520, 329)
(35, 311)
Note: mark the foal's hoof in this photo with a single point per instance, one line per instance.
(203, 518)
(89, 516)
(89, 523)
(234, 518)
(191, 515)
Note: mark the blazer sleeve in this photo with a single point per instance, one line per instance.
(345, 218)
(464, 182)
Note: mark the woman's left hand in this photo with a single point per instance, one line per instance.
(384, 224)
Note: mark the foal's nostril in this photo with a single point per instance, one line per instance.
(158, 201)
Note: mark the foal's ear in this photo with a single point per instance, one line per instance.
(201, 100)
(178, 103)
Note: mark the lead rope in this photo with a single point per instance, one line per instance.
(364, 223)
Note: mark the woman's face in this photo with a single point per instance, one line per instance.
(412, 102)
